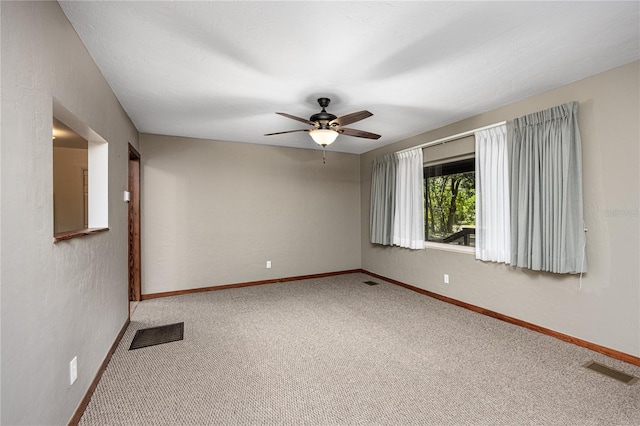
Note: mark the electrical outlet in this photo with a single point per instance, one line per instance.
(446, 278)
(73, 370)
(268, 264)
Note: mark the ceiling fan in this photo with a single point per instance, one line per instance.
(327, 127)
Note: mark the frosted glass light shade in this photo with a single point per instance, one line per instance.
(323, 137)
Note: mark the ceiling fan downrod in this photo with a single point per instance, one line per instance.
(323, 117)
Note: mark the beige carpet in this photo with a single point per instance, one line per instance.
(335, 351)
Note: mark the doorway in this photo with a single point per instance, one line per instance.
(135, 290)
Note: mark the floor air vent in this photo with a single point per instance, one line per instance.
(157, 335)
(610, 372)
(371, 283)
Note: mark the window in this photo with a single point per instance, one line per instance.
(70, 174)
(450, 202)
(80, 177)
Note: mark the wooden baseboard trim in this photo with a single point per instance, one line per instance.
(77, 415)
(631, 359)
(246, 284)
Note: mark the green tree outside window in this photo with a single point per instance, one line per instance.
(450, 203)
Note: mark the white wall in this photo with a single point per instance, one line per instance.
(214, 212)
(607, 310)
(66, 299)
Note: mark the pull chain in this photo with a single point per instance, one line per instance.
(324, 156)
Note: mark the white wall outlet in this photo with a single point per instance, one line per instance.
(446, 278)
(73, 370)
(268, 264)
(127, 196)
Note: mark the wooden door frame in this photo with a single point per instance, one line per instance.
(134, 261)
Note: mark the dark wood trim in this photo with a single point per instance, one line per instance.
(61, 236)
(133, 226)
(246, 284)
(631, 359)
(77, 415)
(133, 153)
(323, 275)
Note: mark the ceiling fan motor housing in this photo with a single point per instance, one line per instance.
(323, 117)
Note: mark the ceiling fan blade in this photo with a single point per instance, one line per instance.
(288, 131)
(351, 118)
(293, 117)
(358, 133)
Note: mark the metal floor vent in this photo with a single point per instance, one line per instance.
(610, 372)
(157, 335)
(371, 283)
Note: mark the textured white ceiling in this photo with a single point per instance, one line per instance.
(219, 70)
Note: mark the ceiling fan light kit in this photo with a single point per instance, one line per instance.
(323, 137)
(327, 127)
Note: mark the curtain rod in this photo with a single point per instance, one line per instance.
(454, 137)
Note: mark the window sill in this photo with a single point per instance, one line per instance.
(61, 236)
(450, 247)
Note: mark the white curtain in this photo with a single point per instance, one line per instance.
(408, 221)
(493, 233)
(383, 190)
